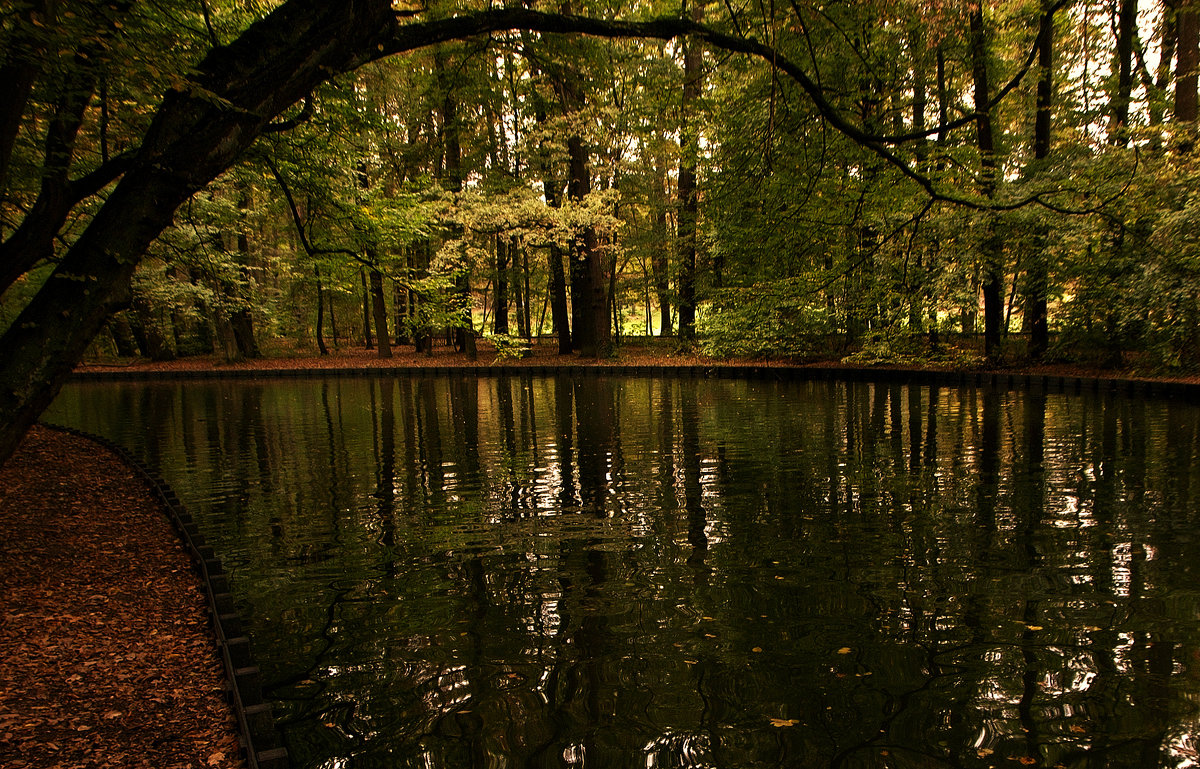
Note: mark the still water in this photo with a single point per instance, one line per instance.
(636, 572)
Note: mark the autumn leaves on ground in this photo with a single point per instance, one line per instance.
(106, 655)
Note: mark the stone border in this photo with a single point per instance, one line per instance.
(1072, 384)
(261, 744)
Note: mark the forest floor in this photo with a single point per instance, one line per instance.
(107, 657)
(656, 353)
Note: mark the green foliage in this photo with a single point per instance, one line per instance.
(510, 347)
(765, 320)
(896, 347)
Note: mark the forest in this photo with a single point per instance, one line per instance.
(875, 178)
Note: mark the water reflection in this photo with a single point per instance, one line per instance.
(604, 572)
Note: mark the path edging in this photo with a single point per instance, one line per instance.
(261, 744)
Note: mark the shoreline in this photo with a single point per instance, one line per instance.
(650, 360)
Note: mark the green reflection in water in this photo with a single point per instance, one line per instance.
(613, 572)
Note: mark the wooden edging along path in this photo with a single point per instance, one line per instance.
(261, 743)
(1158, 388)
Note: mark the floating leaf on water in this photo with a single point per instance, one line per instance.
(781, 722)
(845, 650)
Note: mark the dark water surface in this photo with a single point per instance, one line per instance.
(631, 572)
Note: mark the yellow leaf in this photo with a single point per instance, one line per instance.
(845, 650)
(781, 722)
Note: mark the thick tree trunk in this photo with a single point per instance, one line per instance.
(383, 342)
(589, 295)
(560, 313)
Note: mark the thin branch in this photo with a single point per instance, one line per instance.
(299, 221)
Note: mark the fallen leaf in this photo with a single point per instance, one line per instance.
(845, 650)
(781, 722)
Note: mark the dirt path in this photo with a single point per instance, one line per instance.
(107, 658)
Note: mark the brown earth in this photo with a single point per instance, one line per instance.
(659, 353)
(107, 658)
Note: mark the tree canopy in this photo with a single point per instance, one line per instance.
(198, 176)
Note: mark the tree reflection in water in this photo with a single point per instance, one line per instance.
(594, 571)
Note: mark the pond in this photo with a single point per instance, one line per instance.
(619, 571)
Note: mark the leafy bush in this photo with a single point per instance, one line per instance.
(510, 347)
(765, 320)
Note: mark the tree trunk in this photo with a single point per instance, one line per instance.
(560, 313)
(688, 160)
(400, 302)
(333, 329)
(383, 342)
(1188, 30)
(320, 314)
(423, 335)
(500, 323)
(517, 247)
(122, 335)
(1037, 276)
(993, 277)
(1126, 28)
(1167, 38)
(366, 310)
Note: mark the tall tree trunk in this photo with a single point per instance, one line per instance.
(400, 301)
(464, 334)
(333, 329)
(383, 342)
(517, 247)
(423, 336)
(688, 159)
(1188, 30)
(660, 257)
(366, 310)
(560, 313)
(991, 247)
(320, 314)
(1167, 39)
(500, 323)
(1126, 28)
(1037, 276)
(242, 319)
